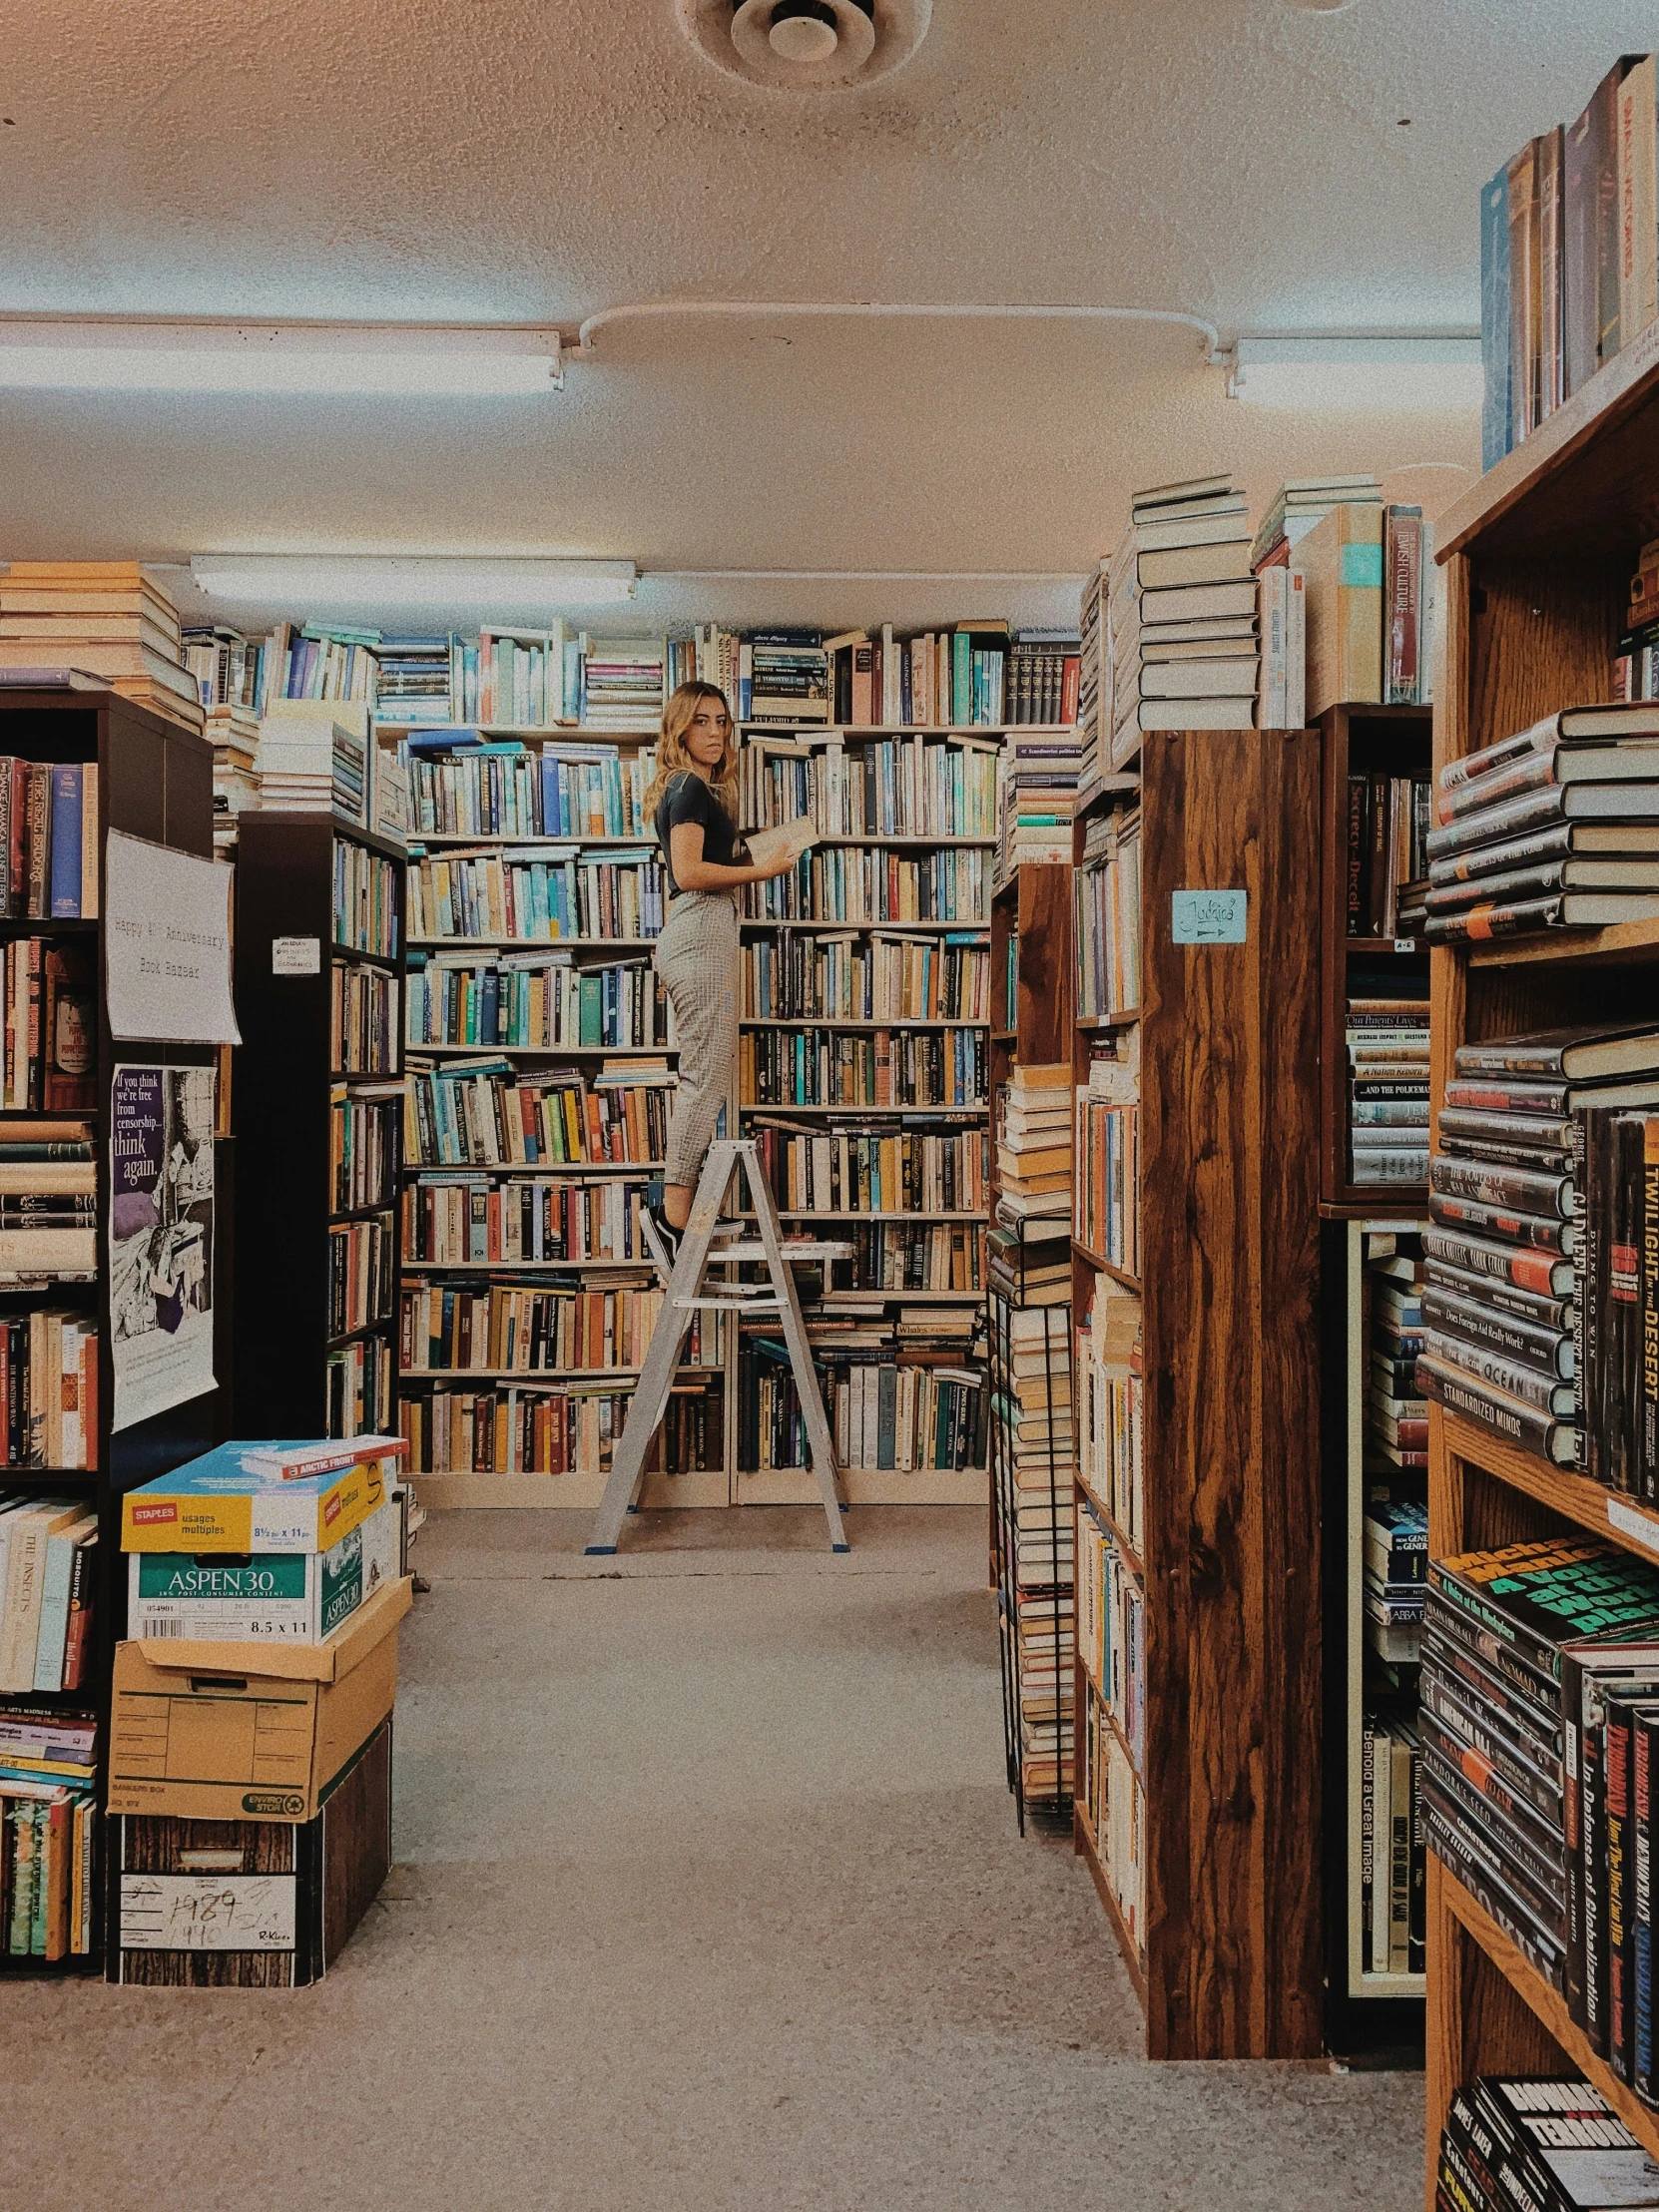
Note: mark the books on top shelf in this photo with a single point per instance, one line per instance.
(1569, 255)
(622, 682)
(1182, 616)
(938, 680)
(232, 730)
(415, 681)
(1106, 891)
(464, 785)
(1042, 679)
(47, 840)
(1546, 2142)
(784, 676)
(1368, 575)
(310, 761)
(228, 668)
(1387, 1078)
(898, 787)
(105, 618)
(48, 1573)
(1299, 503)
(48, 1828)
(1555, 826)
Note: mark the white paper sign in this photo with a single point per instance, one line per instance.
(297, 955)
(1641, 1527)
(207, 1911)
(167, 934)
(161, 1239)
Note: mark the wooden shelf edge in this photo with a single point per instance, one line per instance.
(1547, 2003)
(1624, 941)
(1129, 1550)
(1124, 1280)
(1083, 1841)
(1574, 1497)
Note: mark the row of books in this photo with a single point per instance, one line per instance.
(48, 1575)
(1392, 1845)
(51, 1027)
(1548, 2143)
(1036, 1455)
(538, 897)
(833, 886)
(320, 761)
(1111, 1408)
(1107, 1210)
(1368, 583)
(1387, 1079)
(48, 843)
(539, 1429)
(1555, 826)
(938, 679)
(892, 979)
(1106, 890)
(1182, 614)
(1033, 1142)
(366, 900)
(1569, 255)
(1113, 1800)
(875, 1169)
(107, 619)
(481, 788)
(887, 1415)
(357, 1388)
(361, 1274)
(1388, 820)
(535, 1001)
(1042, 784)
(533, 1220)
(896, 1067)
(1111, 1629)
(48, 1831)
(508, 1329)
(482, 1113)
(1394, 1447)
(364, 1121)
(889, 1256)
(48, 1389)
(898, 787)
(48, 1208)
(364, 1035)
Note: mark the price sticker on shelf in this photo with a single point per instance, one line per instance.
(1640, 1528)
(297, 955)
(1406, 944)
(1207, 918)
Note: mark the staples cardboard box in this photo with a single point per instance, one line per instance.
(226, 1501)
(195, 1732)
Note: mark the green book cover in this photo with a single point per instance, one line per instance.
(1543, 1596)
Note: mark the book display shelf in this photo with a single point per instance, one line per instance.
(1198, 1806)
(1537, 559)
(1032, 1432)
(319, 1082)
(153, 781)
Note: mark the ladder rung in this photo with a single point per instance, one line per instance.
(800, 1252)
(728, 1306)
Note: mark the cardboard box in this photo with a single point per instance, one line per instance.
(217, 1503)
(195, 1732)
(273, 1598)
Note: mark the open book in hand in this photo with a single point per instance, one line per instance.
(768, 848)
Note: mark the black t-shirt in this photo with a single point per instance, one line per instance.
(689, 799)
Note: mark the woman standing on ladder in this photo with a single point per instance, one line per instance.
(693, 799)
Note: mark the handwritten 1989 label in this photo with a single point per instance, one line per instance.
(1207, 918)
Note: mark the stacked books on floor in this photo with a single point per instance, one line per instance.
(1182, 614)
(48, 1571)
(1035, 1456)
(1387, 1079)
(105, 618)
(48, 1826)
(1553, 827)
(1545, 2143)
(315, 760)
(261, 1578)
(233, 733)
(1569, 255)
(1042, 776)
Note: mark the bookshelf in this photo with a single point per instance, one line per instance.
(1536, 559)
(1367, 741)
(155, 780)
(320, 930)
(1223, 1810)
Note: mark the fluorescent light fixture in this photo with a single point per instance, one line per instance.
(1376, 375)
(102, 354)
(324, 580)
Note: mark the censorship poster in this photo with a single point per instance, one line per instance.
(161, 1239)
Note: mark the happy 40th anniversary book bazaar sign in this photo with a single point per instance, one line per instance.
(167, 939)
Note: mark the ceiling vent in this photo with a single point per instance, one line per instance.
(806, 45)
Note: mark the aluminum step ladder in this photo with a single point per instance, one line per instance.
(711, 1243)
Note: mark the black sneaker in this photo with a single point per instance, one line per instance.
(661, 1235)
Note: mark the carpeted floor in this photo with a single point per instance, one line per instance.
(709, 1894)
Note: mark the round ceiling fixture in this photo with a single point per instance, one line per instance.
(806, 45)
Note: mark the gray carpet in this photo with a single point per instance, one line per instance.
(709, 1894)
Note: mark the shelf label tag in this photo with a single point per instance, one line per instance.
(1407, 945)
(1207, 918)
(297, 955)
(1641, 1527)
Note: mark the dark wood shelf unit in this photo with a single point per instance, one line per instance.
(1395, 741)
(1231, 1962)
(155, 780)
(1536, 559)
(283, 1077)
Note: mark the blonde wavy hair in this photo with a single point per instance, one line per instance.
(674, 759)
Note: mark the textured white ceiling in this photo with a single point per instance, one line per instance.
(1241, 160)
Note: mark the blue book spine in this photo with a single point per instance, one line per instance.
(489, 1010)
(66, 843)
(1496, 412)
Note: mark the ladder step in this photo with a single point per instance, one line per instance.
(728, 1306)
(802, 1251)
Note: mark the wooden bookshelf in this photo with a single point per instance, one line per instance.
(1358, 740)
(155, 780)
(1231, 1954)
(1536, 562)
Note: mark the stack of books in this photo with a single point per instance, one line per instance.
(107, 618)
(48, 1820)
(1032, 1398)
(47, 1584)
(314, 760)
(785, 677)
(233, 733)
(622, 683)
(1299, 504)
(1094, 680)
(1182, 611)
(1043, 773)
(414, 683)
(229, 669)
(48, 1199)
(1388, 1075)
(1030, 1265)
(1033, 1147)
(1554, 828)
(323, 661)
(1547, 2142)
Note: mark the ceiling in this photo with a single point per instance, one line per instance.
(1245, 162)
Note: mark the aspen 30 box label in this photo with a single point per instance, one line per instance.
(1207, 918)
